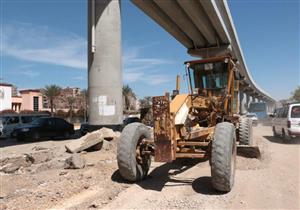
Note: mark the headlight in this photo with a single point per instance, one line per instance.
(25, 129)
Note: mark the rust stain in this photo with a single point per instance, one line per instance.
(162, 129)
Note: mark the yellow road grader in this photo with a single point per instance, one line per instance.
(201, 124)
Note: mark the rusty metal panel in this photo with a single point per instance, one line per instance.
(164, 151)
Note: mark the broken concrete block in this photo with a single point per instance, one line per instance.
(106, 145)
(42, 156)
(84, 142)
(96, 147)
(12, 164)
(74, 162)
(9, 168)
(108, 134)
(117, 135)
(90, 140)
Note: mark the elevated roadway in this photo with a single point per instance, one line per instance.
(205, 28)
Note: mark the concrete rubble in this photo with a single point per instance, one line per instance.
(42, 173)
(12, 164)
(39, 159)
(94, 140)
(43, 158)
(74, 162)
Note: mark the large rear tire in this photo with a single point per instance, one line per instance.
(223, 157)
(131, 167)
(245, 131)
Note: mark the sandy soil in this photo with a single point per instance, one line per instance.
(273, 182)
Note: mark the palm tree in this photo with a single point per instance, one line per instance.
(127, 94)
(146, 102)
(71, 100)
(84, 97)
(51, 92)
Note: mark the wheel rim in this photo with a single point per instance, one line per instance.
(142, 154)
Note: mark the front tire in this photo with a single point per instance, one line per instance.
(131, 167)
(223, 157)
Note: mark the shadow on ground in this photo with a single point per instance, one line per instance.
(279, 140)
(163, 176)
(203, 185)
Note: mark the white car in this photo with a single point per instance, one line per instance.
(253, 117)
(286, 121)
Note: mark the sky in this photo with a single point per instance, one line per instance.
(45, 42)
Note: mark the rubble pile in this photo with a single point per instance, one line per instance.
(94, 140)
(43, 174)
(43, 158)
(74, 162)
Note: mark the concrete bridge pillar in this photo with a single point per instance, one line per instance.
(248, 99)
(242, 102)
(104, 63)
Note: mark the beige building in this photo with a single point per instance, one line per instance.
(32, 99)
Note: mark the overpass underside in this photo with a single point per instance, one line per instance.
(198, 25)
(206, 29)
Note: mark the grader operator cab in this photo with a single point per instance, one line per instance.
(201, 124)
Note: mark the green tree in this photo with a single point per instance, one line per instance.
(146, 110)
(128, 94)
(71, 100)
(84, 102)
(51, 92)
(146, 102)
(296, 94)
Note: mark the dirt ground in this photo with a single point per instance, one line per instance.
(273, 182)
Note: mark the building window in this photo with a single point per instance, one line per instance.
(35, 103)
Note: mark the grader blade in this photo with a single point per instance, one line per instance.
(248, 151)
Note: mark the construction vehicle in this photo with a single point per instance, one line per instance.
(201, 124)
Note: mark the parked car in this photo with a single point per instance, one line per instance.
(253, 117)
(9, 122)
(84, 128)
(286, 121)
(45, 127)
